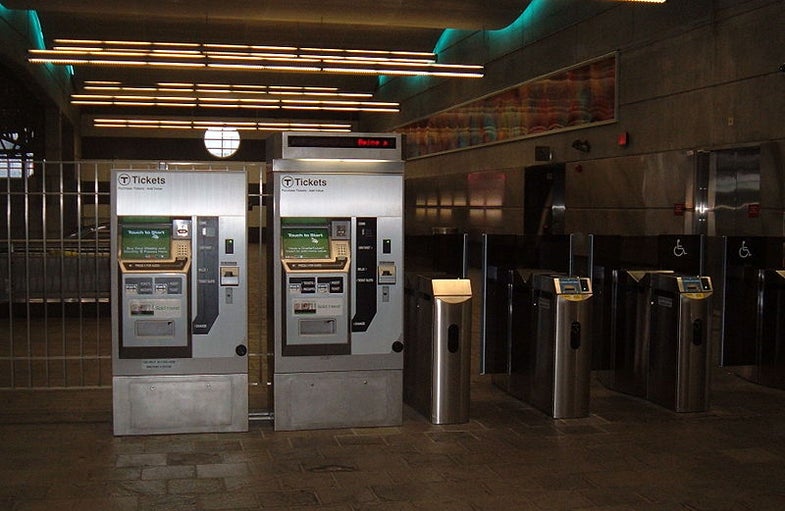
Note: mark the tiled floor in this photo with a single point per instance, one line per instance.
(629, 455)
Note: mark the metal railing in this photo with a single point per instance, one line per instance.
(55, 320)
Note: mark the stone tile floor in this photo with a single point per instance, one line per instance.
(628, 455)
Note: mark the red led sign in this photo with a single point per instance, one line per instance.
(343, 142)
(376, 142)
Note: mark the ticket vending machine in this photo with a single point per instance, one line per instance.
(179, 308)
(337, 279)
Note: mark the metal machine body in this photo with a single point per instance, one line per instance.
(679, 359)
(337, 279)
(438, 349)
(179, 308)
(562, 345)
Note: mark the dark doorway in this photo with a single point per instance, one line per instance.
(543, 199)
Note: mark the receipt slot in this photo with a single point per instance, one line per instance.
(179, 312)
(562, 345)
(681, 315)
(336, 262)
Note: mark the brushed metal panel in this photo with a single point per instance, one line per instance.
(692, 386)
(179, 193)
(734, 185)
(147, 405)
(338, 400)
(561, 349)
(572, 366)
(452, 326)
(438, 348)
(421, 221)
(657, 180)
(489, 201)
(678, 373)
(497, 188)
(321, 195)
(322, 148)
(772, 175)
(771, 223)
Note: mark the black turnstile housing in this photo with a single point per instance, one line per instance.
(771, 328)
(753, 308)
(629, 333)
(678, 369)
(621, 281)
(510, 316)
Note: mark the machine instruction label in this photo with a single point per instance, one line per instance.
(320, 307)
(158, 364)
(156, 308)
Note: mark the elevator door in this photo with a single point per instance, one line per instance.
(734, 197)
(735, 180)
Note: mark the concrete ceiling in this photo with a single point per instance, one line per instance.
(438, 14)
(413, 25)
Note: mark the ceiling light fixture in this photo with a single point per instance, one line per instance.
(207, 95)
(248, 57)
(201, 124)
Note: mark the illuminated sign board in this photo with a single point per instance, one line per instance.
(351, 142)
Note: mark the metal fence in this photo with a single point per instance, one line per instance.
(55, 321)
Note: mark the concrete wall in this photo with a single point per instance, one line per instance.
(693, 75)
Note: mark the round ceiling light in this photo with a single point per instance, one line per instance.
(221, 142)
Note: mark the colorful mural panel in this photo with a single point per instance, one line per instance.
(579, 96)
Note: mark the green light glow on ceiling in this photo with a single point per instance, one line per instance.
(527, 17)
(511, 32)
(37, 32)
(27, 24)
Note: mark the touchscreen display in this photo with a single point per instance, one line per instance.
(305, 243)
(146, 242)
